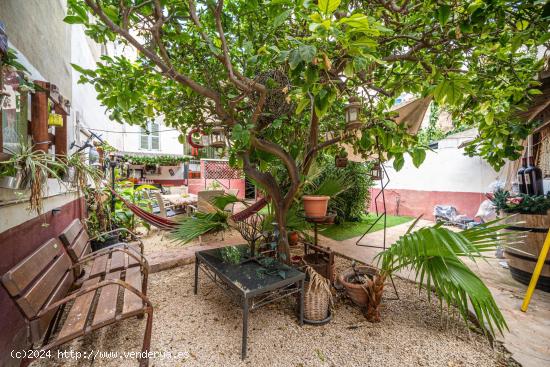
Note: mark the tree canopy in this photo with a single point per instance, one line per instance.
(277, 74)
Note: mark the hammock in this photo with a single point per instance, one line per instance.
(169, 225)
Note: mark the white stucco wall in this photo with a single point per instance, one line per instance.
(445, 169)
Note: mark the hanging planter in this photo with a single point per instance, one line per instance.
(16, 181)
(55, 119)
(315, 206)
(341, 160)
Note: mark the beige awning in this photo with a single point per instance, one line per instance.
(411, 114)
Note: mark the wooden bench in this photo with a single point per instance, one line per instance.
(40, 285)
(118, 257)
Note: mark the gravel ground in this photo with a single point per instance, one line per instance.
(207, 329)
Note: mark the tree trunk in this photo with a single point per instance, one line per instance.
(283, 247)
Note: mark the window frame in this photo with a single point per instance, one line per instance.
(150, 136)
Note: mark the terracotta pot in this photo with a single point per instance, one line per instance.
(315, 206)
(293, 238)
(355, 291)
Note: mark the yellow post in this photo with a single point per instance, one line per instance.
(536, 273)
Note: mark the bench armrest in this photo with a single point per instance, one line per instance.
(133, 253)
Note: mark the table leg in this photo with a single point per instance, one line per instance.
(197, 263)
(245, 328)
(301, 285)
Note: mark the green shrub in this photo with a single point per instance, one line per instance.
(351, 203)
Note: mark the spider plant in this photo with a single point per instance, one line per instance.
(80, 173)
(435, 255)
(34, 166)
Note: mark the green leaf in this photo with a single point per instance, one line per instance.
(449, 91)
(418, 156)
(301, 105)
(74, 19)
(79, 10)
(522, 25)
(328, 6)
(443, 14)
(349, 70)
(307, 53)
(83, 71)
(398, 162)
(279, 19)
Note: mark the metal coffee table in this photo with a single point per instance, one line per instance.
(251, 284)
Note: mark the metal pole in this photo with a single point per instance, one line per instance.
(112, 164)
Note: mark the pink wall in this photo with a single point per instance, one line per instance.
(197, 184)
(416, 202)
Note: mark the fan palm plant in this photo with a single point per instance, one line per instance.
(216, 220)
(434, 254)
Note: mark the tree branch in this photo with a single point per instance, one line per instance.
(288, 161)
(169, 71)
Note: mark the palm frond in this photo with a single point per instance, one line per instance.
(434, 255)
(222, 201)
(199, 224)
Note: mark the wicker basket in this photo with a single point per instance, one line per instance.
(316, 303)
(356, 291)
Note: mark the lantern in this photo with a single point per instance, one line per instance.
(217, 137)
(352, 110)
(376, 171)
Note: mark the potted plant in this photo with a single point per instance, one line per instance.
(341, 160)
(29, 169)
(434, 254)
(315, 206)
(528, 216)
(293, 238)
(78, 172)
(11, 177)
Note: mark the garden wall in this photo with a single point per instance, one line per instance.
(447, 177)
(416, 202)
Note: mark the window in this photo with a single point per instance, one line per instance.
(13, 114)
(149, 137)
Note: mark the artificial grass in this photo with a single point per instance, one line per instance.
(348, 230)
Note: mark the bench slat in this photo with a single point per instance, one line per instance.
(132, 261)
(117, 260)
(99, 265)
(70, 233)
(131, 301)
(32, 301)
(76, 318)
(19, 277)
(78, 248)
(107, 303)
